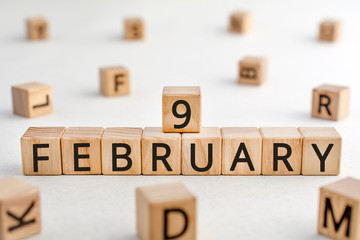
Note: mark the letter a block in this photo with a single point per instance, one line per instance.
(134, 29)
(37, 28)
(161, 152)
(114, 81)
(330, 102)
(339, 210)
(165, 211)
(240, 22)
(281, 151)
(252, 70)
(32, 99)
(19, 209)
(81, 150)
(41, 151)
(181, 109)
(329, 31)
(321, 151)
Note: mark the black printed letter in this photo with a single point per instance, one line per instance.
(283, 158)
(322, 158)
(210, 158)
(162, 158)
(326, 105)
(37, 158)
(125, 156)
(246, 159)
(77, 156)
(346, 215)
(166, 223)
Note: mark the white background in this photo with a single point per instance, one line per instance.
(187, 43)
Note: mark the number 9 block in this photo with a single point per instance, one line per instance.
(181, 108)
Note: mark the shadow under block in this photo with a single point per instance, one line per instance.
(19, 209)
(339, 210)
(181, 109)
(281, 151)
(37, 28)
(161, 152)
(121, 151)
(329, 31)
(241, 151)
(114, 81)
(321, 151)
(134, 29)
(32, 99)
(252, 70)
(330, 102)
(165, 211)
(240, 22)
(41, 151)
(81, 150)
(201, 152)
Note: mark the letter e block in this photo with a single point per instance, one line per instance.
(37, 28)
(19, 209)
(339, 210)
(252, 70)
(114, 81)
(165, 211)
(134, 29)
(329, 31)
(240, 22)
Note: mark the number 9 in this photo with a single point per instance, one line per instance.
(186, 115)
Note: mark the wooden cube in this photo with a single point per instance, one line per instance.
(165, 211)
(114, 81)
(201, 152)
(281, 151)
(240, 22)
(321, 152)
(252, 70)
(241, 151)
(37, 28)
(161, 152)
(32, 99)
(121, 151)
(19, 209)
(329, 31)
(181, 109)
(81, 150)
(339, 210)
(134, 29)
(41, 151)
(330, 102)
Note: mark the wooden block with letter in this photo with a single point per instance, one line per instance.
(32, 99)
(161, 152)
(181, 109)
(114, 81)
(37, 28)
(252, 70)
(339, 210)
(41, 151)
(241, 151)
(81, 150)
(134, 29)
(321, 152)
(281, 151)
(240, 22)
(19, 209)
(121, 151)
(201, 152)
(329, 31)
(165, 211)
(330, 102)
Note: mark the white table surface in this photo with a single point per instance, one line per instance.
(187, 43)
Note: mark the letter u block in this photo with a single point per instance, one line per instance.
(114, 81)
(165, 211)
(252, 70)
(37, 28)
(339, 210)
(19, 209)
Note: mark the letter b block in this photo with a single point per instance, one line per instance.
(339, 210)
(166, 211)
(252, 70)
(114, 81)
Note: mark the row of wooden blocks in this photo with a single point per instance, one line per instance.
(213, 151)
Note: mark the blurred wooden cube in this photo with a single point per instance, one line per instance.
(37, 28)
(240, 22)
(114, 81)
(134, 29)
(329, 31)
(252, 70)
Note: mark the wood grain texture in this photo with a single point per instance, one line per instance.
(252, 70)
(240, 22)
(134, 29)
(37, 28)
(114, 81)
(329, 31)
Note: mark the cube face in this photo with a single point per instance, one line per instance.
(37, 28)
(41, 151)
(32, 99)
(134, 29)
(329, 31)
(181, 109)
(330, 102)
(201, 152)
(339, 210)
(252, 70)
(281, 151)
(161, 152)
(241, 151)
(114, 81)
(19, 209)
(165, 211)
(321, 152)
(240, 22)
(81, 150)
(121, 151)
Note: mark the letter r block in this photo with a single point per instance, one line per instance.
(19, 209)
(165, 211)
(252, 70)
(114, 81)
(339, 210)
